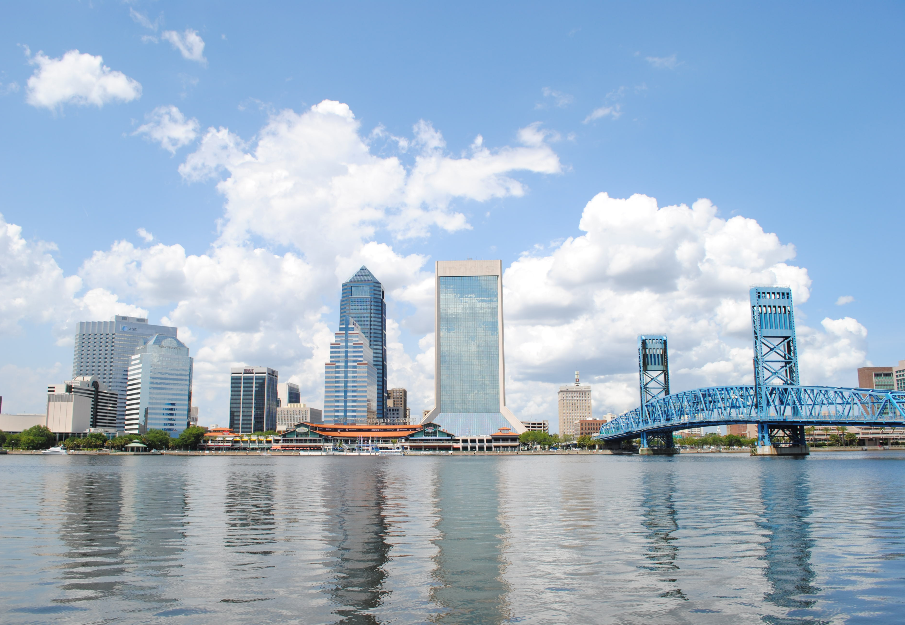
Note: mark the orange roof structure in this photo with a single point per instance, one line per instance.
(363, 431)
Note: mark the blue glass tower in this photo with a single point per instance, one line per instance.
(363, 301)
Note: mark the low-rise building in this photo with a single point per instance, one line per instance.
(590, 427)
(537, 426)
(15, 423)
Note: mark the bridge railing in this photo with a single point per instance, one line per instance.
(809, 405)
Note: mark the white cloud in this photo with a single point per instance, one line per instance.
(613, 111)
(25, 388)
(560, 99)
(167, 126)
(77, 78)
(144, 234)
(143, 20)
(10, 87)
(844, 299)
(639, 268)
(663, 62)
(189, 43)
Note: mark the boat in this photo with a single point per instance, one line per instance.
(59, 450)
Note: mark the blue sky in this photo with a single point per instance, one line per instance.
(788, 116)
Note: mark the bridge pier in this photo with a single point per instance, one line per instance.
(766, 432)
(668, 447)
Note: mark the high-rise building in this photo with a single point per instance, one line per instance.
(574, 405)
(290, 415)
(193, 416)
(288, 393)
(363, 300)
(159, 388)
(469, 384)
(253, 399)
(350, 379)
(104, 349)
(397, 412)
(79, 405)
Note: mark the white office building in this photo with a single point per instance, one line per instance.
(104, 349)
(291, 415)
(288, 393)
(574, 405)
(79, 405)
(159, 388)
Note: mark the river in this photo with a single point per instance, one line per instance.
(698, 538)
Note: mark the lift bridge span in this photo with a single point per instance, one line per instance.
(776, 402)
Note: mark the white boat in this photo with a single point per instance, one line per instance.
(59, 450)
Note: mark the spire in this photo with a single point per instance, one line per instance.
(363, 275)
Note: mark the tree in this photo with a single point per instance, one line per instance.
(850, 438)
(585, 441)
(156, 439)
(37, 437)
(190, 437)
(2, 438)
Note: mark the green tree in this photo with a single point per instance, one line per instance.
(850, 438)
(2, 438)
(37, 437)
(733, 440)
(73, 442)
(156, 439)
(585, 441)
(12, 441)
(190, 438)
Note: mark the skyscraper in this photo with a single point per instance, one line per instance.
(159, 389)
(104, 349)
(350, 379)
(470, 373)
(363, 300)
(253, 399)
(288, 393)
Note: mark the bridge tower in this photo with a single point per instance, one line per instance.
(653, 365)
(775, 363)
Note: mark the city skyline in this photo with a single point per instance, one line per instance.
(229, 191)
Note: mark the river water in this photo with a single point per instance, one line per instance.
(703, 538)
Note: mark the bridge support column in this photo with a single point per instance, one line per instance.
(766, 432)
(667, 445)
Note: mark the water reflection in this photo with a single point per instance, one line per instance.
(469, 563)
(91, 519)
(354, 500)
(659, 519)
(785, 491)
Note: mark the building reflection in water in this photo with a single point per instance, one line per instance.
(354, 500)
(470, 565)
(787, 553)
(659, 521)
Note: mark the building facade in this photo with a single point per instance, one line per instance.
(574, 405)
(82, 404)
(363, 300)
(253, 399)
(590, 427)
(397, 407)
(898, 373)
(159, 387)
(469, 383)
(104, 350)
(288, 393)
(291, 415)
(879, 378)
(193, 416)
(537, 426)
(350, 378)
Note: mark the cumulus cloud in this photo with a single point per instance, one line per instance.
(663, 62)
(167, 126)
(77, 78)
(639, 268)
(144, 234)
(189, 43)
(844, 299)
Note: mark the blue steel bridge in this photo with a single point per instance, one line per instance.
(776, 402)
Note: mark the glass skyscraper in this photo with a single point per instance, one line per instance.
(350, 380)
(159, 389)
(363, 300)
(253, 399)
(104, 349)
(470, 373)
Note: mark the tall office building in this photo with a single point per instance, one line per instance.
(159, 388)
(81, 404)
(574, 405)
(350, 378)
(104, 349)
(288, 393)
(253, 399)
(363, 300)
(469, 384)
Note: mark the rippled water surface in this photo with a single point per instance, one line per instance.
(586, 539)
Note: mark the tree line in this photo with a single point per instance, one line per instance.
(40, 437)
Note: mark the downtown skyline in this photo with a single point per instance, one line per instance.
(233, 205)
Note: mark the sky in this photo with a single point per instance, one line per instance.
(637, 167)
